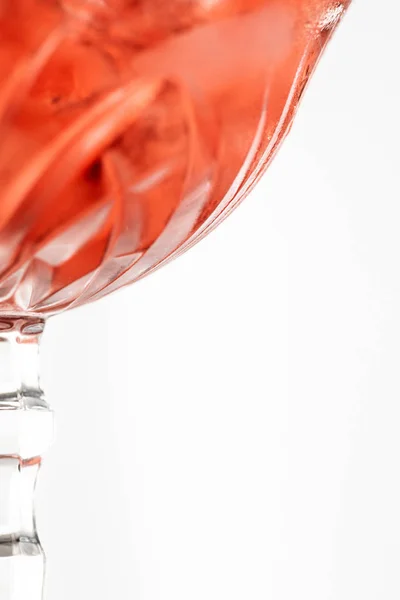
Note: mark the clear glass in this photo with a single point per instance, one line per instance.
(129, 130)
(26, 432)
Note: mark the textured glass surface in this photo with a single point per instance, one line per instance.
(130, 128)
(26, 432)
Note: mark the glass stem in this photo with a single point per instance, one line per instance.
(26, 432)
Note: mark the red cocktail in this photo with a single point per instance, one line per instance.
(129, 129)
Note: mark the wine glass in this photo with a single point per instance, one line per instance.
(129, 130)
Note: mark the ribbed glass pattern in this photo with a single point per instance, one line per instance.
(130, 128)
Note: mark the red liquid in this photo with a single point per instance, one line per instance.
(130, 128)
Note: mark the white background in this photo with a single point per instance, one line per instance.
(228, 428)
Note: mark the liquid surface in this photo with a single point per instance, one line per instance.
(130, 128)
